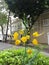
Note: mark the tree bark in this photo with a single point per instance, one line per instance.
(7, 28)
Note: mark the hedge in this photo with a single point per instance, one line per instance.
(16, 57)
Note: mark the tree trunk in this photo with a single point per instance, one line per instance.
(7, 28)
(10, 32)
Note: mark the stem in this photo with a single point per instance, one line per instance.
(24, 55)
(31, 60)
(25, 49)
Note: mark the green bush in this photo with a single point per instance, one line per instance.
(16, 57)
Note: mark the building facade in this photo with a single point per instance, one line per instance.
(42, 25)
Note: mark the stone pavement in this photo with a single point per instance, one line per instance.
(8, 46)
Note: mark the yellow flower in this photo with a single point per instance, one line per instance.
(21, 31)
(24, 39)
(35, 42)
(15, 35)
(28, 36)
(17, 42)
(29, 51)
(35, 34)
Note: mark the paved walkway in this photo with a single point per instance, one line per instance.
(5, 46)
(8, 46)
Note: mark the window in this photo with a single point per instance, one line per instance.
(46, 22)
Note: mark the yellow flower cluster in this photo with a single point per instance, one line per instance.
(25, 38)
(15, 35)
(35, 42)
(29, 51)
(17, 42)
(35, 34)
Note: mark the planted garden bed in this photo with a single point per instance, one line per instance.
(18, 57)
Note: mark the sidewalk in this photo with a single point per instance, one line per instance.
(7, 46)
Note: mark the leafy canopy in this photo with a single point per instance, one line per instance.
(30, 7)
(3, 18)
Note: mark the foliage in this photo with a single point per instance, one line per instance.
(2, 6)
(3, 18)
(31, 8)
(15, 57)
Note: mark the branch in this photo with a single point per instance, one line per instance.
(34, 21)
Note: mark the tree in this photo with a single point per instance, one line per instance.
(3, 6)
(7, 26)
(4, 9)
(31, 8)
(3, 20)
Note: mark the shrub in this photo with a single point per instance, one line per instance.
(16, 57)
